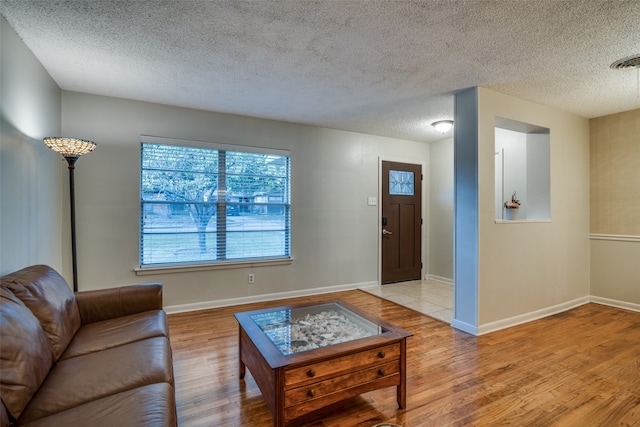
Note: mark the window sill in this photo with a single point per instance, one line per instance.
(188, 268)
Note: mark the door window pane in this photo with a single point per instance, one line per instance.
(401, 183)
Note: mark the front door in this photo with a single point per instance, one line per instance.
(401, 222)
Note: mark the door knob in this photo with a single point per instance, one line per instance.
(385, 231)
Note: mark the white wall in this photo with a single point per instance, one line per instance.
(512, 147)
(335, 234)
(440, 214)
(31, 175)
(538, 177)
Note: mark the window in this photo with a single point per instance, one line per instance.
(401, 183)
(209, 203)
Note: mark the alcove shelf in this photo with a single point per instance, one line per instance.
(522, 166)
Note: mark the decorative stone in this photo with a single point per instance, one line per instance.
(311, 331)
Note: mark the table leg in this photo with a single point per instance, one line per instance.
(243, 369)
(401, 396)
(242, 366)
(401, 390)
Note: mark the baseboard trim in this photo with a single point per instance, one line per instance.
(531, 316)
(616, 303)
(457, 324)
(439, 279)
(465, 327)
(181, 308)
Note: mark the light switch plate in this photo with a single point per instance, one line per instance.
(372, 201)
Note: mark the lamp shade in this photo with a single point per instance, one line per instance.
(443, 126)
(69, 147)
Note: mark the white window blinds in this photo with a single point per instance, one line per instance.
(209, 203)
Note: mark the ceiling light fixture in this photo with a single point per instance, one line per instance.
(443, 126)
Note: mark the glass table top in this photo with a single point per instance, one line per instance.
(306, 328)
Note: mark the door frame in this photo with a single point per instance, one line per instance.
(424, 205)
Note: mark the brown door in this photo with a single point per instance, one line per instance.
(401, 222)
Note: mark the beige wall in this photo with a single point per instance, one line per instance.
(525, 267)
(615, 272)
(440, 214)
(334, 232)
(32, 177)
(615, 174)
(615, 207)
(522, 267)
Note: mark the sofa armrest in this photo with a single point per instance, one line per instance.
(104, 304)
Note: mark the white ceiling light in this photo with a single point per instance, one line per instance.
(443, 126)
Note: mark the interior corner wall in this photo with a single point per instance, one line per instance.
(335, 233)
(615, 207)
(31, 175)
(440, 214)
(528, 267)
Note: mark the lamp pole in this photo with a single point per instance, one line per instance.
(72, 205)
(71, 149)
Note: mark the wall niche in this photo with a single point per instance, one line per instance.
(522, 158)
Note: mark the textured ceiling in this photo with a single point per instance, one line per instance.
(380, 67)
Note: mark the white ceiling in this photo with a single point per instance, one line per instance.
(380, 67)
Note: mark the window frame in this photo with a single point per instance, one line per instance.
(198, 265)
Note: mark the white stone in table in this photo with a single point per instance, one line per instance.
(314, 331)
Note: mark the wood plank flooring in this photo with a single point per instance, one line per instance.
(577, 368)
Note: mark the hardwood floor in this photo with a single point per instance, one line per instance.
(577, 368)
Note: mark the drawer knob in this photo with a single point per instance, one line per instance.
(381, 354)
(311, 373)
(381, 372)
(311, 393)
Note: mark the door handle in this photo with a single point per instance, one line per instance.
(385, 231)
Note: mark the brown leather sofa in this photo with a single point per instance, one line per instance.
(96, 358)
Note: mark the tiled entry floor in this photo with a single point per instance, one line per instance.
(430, 297)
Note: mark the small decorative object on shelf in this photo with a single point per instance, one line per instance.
(511, 208)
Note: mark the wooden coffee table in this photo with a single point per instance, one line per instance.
(304, 357)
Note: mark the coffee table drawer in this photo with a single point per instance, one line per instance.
(316, 372)
(342, 382)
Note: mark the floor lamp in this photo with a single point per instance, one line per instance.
(71, 149)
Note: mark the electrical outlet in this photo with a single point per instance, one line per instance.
(251, 278)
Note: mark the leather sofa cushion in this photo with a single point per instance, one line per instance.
(115, 332)
(26, 355)
(4, 417)
(78, 380)
(103, 304)
(50, 299)
(150, 405)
